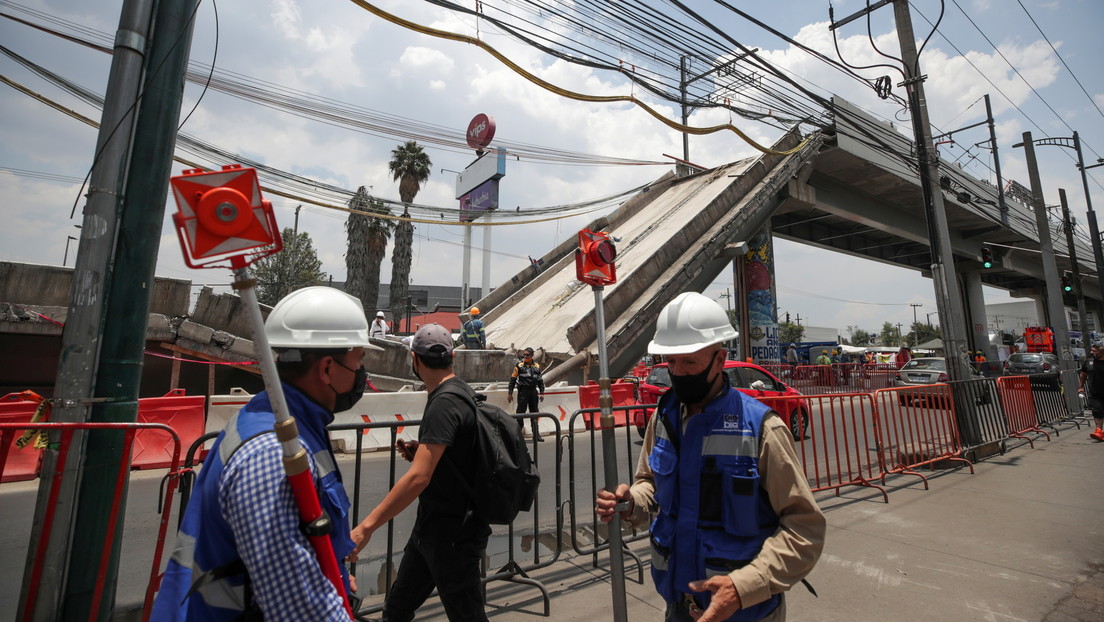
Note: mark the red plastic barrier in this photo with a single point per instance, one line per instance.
(622, 394)
(917, 427)
(183, 413)
(1019, 407)
(19, 464)
(840, 447)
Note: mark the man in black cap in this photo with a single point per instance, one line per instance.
(449, 538)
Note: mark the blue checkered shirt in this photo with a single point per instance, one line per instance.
(258, 505)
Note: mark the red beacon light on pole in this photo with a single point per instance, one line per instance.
(221, 216)
(594, 259)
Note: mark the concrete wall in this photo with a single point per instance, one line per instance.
(49, 286)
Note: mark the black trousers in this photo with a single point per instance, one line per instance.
(451, 567)
(528, 401)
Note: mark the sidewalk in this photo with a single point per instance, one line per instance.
(1022, 539)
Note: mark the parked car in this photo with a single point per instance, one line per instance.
(924, 371)
(1031, 363)
(746, 378)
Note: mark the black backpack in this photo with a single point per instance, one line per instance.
(505, 480)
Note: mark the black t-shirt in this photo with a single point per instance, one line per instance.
(1095, 381)
(444, 505)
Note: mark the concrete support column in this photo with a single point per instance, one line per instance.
(759, 299)
(975, 313)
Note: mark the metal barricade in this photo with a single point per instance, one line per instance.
(841, 445)
(981, 421)
(63, 433)
(782, 371)
(1019, 407)
(599, 541)
(918, 428)
(1048, 394)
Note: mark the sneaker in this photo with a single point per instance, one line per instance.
(1097, 435)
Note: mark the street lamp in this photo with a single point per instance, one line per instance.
(65, 259)
(927, 316)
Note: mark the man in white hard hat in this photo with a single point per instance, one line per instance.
(379, 327)
(736, 525)
(241, 552)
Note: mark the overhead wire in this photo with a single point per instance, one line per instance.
(1072, 75)
(548, 86)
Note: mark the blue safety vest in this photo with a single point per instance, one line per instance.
(204, 579)
(473, 334)
(713, 513)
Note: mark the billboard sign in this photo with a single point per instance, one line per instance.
(481, 131)
(490, 165)
(482, 198)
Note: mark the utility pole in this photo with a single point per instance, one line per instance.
(81, 337)
(1067, 223)
(799, 319)
(996, 162)
(685, 81)
(947, 294)
(914, 321)
(1094, 233)
(1054, 306)
(900, 341)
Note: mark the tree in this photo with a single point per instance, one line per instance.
(367, 237)
(923, 332)
(790, 333)
(410, 166)
(860, 337)
(295, 267)
(888, 336)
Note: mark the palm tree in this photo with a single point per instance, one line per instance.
(367, 245)
(410, 166)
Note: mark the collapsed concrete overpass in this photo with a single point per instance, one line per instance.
(852, 188)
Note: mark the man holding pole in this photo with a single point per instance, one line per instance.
(241, 550)
(736, 523)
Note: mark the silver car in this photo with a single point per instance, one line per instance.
(1031, 363)
(922, 371)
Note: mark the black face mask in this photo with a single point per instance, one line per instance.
(348, 399)
(693, 388)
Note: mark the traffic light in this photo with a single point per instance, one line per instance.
(986, 257)
(1067, 283)
(594, 258)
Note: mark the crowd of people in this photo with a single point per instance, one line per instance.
(242, 553)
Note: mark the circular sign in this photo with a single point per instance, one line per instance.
(480, 131)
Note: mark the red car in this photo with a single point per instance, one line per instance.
(745, 378)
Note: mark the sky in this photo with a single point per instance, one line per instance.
(1048, 82)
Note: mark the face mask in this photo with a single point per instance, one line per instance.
(414, 370)
(692, 388)
(347, 400)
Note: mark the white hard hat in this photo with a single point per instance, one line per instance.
(318, 317)
(689, 323)
(380, 314)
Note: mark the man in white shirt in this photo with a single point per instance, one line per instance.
(379, 327)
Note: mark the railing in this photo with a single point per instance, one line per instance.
(63, 432)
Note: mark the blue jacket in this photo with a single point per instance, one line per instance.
(205, 579)
(473, 335)
(713, 514)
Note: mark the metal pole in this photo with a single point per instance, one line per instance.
(996, 163)
(609, 459)
(685, 108)
(1082, 316)
(465, 299)
(1096, 241)
(1054, 306)
(80, 341)
(948, 297)
(486, 256)
(914, 321)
